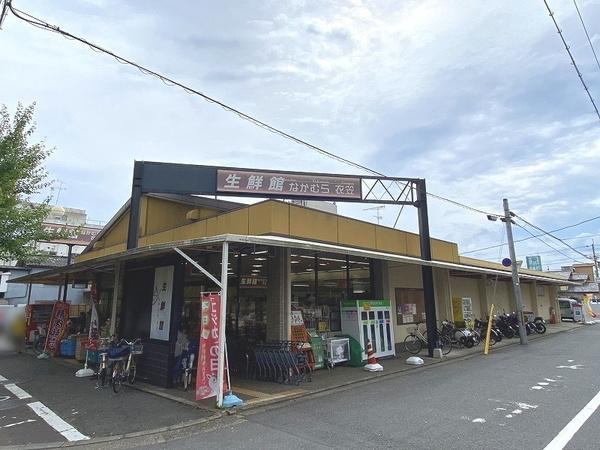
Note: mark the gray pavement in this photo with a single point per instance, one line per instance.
(519, 397)
(92, 412)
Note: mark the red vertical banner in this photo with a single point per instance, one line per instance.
(57, 327)
(208, 352)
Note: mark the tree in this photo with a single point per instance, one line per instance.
(22, 175)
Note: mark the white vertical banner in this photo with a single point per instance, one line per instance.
(161, 303)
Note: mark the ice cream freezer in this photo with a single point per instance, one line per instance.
(370, 320)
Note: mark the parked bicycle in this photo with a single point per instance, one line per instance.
(123, 360)
(416, 340)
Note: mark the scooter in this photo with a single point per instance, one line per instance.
(540, 324)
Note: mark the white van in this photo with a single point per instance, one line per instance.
(566, 308)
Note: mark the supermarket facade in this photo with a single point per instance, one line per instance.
(283, 261)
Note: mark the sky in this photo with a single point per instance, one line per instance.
(479, 98)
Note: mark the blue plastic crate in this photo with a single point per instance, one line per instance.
(67, 347)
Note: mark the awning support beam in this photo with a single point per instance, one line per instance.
(199, 267)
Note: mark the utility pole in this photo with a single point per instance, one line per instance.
(515, 273)
(595, 260)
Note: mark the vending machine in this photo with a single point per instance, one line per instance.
(366, 320)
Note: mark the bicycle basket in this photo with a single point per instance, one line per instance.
(137, 349)
(117, 352)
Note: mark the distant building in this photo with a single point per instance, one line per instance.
(51, 254)
(329, 207)
(583, 274)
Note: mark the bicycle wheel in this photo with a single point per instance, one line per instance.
(117, 376)
(101, 380)
(132, 373)
(413, 344)
(445, 344)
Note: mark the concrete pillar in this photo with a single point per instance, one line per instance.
(381, 288)
(279, 296)
(485, 304)
(116, 297)
(443, 293)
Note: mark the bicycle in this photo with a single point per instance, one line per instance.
(416, 340)
(124, 355)
(103, 363)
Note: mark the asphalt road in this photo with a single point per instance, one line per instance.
(75, 401)
(519, 397)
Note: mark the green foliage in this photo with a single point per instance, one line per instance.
(22, 174)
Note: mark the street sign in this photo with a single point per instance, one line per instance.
(506, 262)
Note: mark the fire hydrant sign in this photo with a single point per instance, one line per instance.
(208, 353)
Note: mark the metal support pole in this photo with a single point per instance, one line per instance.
(222, 323)
(427, 271)
(115, 298)
(515, 273)
(69, 256)
(134, 206)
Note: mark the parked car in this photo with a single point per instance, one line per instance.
(566, 307)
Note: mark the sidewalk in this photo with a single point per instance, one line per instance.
(256, 393)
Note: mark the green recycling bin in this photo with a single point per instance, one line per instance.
(316, 342)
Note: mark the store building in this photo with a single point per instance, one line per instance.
(282, 257)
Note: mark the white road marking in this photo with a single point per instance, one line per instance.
(17, 391)
(537, 388)
(526, 406)
(18, 423)
(478, 420)
(567, 433)
(574, 367)
(2, 378)
(517, 411)
(543, 383)
(550, 379)
(4, 397)
(68, 431)
(508, 416)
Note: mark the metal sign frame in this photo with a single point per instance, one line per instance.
(170, 178)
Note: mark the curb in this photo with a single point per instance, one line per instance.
(254, 408)
(116, 437)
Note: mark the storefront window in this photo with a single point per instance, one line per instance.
(304, 290)
(360, 278)
(249, 281)
(332, 289)
(410, 306)
(195, 284)
(320, 281)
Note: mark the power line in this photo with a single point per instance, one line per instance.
(539, 235)
(587, 34)
(552, 236)
(3, 12)
(545, 243)
(39, 23)
(572, 58)
(552, 251)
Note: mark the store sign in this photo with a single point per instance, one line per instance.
(285, 184)
(57, 327)
(162, 296)
(208, 353)
(534, 262)
(253, 282)
(77, 235)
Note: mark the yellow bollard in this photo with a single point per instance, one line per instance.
(486, 347)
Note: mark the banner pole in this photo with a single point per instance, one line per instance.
(222, 323)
